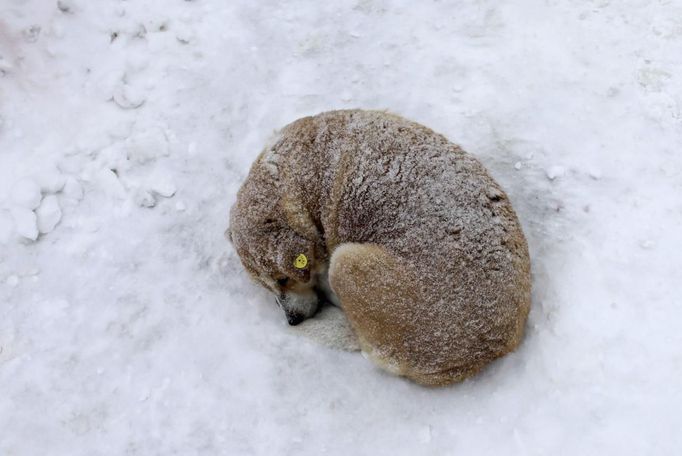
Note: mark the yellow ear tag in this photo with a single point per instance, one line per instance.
(301, 261)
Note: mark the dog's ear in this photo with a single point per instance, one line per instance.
(297, 217)
(295, 256)
(228, 235)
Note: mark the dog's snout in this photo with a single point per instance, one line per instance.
(294, 318)
(297, 307)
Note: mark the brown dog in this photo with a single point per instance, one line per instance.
(420, 246)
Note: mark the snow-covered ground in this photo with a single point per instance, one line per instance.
(127, 325)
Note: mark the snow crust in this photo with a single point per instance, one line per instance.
(130, 326)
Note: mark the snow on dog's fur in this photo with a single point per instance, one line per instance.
(420, 245)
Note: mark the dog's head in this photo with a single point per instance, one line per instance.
(276, 256)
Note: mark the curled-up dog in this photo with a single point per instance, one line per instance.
(401, 228)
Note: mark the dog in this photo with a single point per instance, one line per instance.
(405, 231)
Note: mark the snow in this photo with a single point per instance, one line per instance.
(162, 184)
(7, 229)
(51, 180)
(147, 146)
(12, 281)
(555, 171)
(135, 330)
(329, 328)
(26, 193)
(72, 189)
(48, 214)
(25, 222)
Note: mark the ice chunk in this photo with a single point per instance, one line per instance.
(66, 6)
(25, 222)
(162, 185)
(49, 214)
(143, 198)
(51, 180)
(72, 189)
(555, 171)
(126, 97)
(184, 34)
(26, 193)
(110, 183)
(12, 281)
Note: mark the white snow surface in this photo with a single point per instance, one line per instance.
(130, 327)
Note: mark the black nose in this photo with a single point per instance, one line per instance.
(295, 318)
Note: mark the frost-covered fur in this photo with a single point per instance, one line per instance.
(423, 248)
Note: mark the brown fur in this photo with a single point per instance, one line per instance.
(424, 250)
